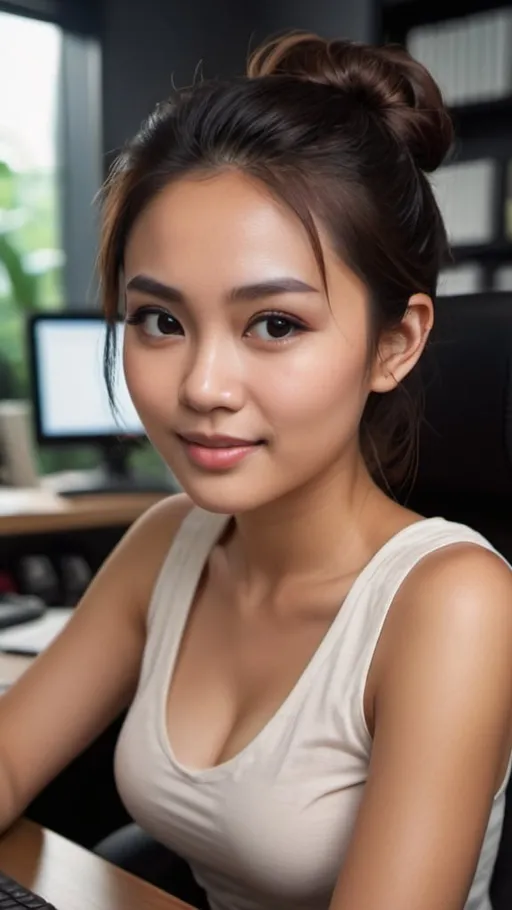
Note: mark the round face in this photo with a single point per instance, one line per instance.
(249, 381)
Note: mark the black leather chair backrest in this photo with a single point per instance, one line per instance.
(465, 457)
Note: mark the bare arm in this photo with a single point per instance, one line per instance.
(89, 674)
(443, 735)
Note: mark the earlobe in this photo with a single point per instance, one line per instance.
(400, 348)
(384, 380)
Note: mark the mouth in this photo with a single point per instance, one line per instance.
(217, 441)
(217, 452)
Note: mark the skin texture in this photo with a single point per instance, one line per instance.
(307, 518)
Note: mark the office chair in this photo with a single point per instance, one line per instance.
(465, 456)
(465, 452)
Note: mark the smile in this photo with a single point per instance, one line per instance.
(217, 454)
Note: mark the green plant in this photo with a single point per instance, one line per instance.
(30, 267)
(23, 285)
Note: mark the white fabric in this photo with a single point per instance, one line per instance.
(268, 829)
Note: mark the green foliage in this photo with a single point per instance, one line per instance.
(6, 186)
(28, 225)
(23, 285)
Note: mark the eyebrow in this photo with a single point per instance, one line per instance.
(244, 293)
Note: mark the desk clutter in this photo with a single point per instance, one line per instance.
(48, 556)
(55, 580)
(34, 636)
(16, 609)
(30, 501)
(31, 620)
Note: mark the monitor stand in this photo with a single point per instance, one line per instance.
(114, 475)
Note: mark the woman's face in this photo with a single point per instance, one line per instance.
(230, 334)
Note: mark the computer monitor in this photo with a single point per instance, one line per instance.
(69, 391)
(70, 400)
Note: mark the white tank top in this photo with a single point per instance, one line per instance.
(268, 829)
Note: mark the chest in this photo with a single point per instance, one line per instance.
(232, 673)
(271, 828)
(244, 748)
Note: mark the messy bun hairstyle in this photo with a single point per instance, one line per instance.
(386, 81)
(343, 133)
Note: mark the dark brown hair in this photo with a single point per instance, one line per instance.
(343, 133)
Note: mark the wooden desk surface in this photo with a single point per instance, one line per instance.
(71, 877)
(38, 511)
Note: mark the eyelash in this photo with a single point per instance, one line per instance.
(137, 318)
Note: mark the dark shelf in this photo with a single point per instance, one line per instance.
(398, 16)
(491, 253)
(483, 108)
(483, 119)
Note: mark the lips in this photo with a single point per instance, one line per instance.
(217, 453)
(217, 441)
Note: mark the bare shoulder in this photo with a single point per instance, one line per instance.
(451, 617)
(461, 582)
(142, 550)
(449, 623)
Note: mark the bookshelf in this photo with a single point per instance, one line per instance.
(483, 126)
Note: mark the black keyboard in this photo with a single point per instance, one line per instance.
(19, 608)
(15, 897)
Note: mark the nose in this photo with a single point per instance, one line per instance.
(212, 377)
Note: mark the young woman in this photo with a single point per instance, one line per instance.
(319, 679)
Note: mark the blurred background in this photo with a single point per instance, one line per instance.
(78, 76)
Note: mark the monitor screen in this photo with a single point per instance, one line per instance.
(69, 388)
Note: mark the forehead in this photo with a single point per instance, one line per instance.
(224, 218)
(228, 229)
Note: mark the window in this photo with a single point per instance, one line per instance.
(31, 249)
(50, 171)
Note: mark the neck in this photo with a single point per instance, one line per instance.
(316, 532)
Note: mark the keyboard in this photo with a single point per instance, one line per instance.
(19, 608)
(14, 896)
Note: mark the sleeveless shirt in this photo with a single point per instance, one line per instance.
(268, 828)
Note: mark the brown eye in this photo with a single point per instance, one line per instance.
(275, 328)
(155, 323)
(158, 324)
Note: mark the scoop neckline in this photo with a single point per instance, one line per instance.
(341, 618)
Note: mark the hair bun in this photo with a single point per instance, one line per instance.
(385, 79)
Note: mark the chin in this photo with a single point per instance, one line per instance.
(242, 488)
(225, 495)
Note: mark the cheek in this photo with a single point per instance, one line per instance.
(317, 389)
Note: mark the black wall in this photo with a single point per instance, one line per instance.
(148, 43)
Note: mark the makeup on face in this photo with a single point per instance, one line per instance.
(230, 334)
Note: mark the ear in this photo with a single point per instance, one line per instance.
(400, 348)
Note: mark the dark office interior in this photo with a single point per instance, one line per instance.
(118, 59)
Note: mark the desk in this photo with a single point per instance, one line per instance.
(72, 878)
(36, 511)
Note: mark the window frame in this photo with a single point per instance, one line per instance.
(80, 137)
